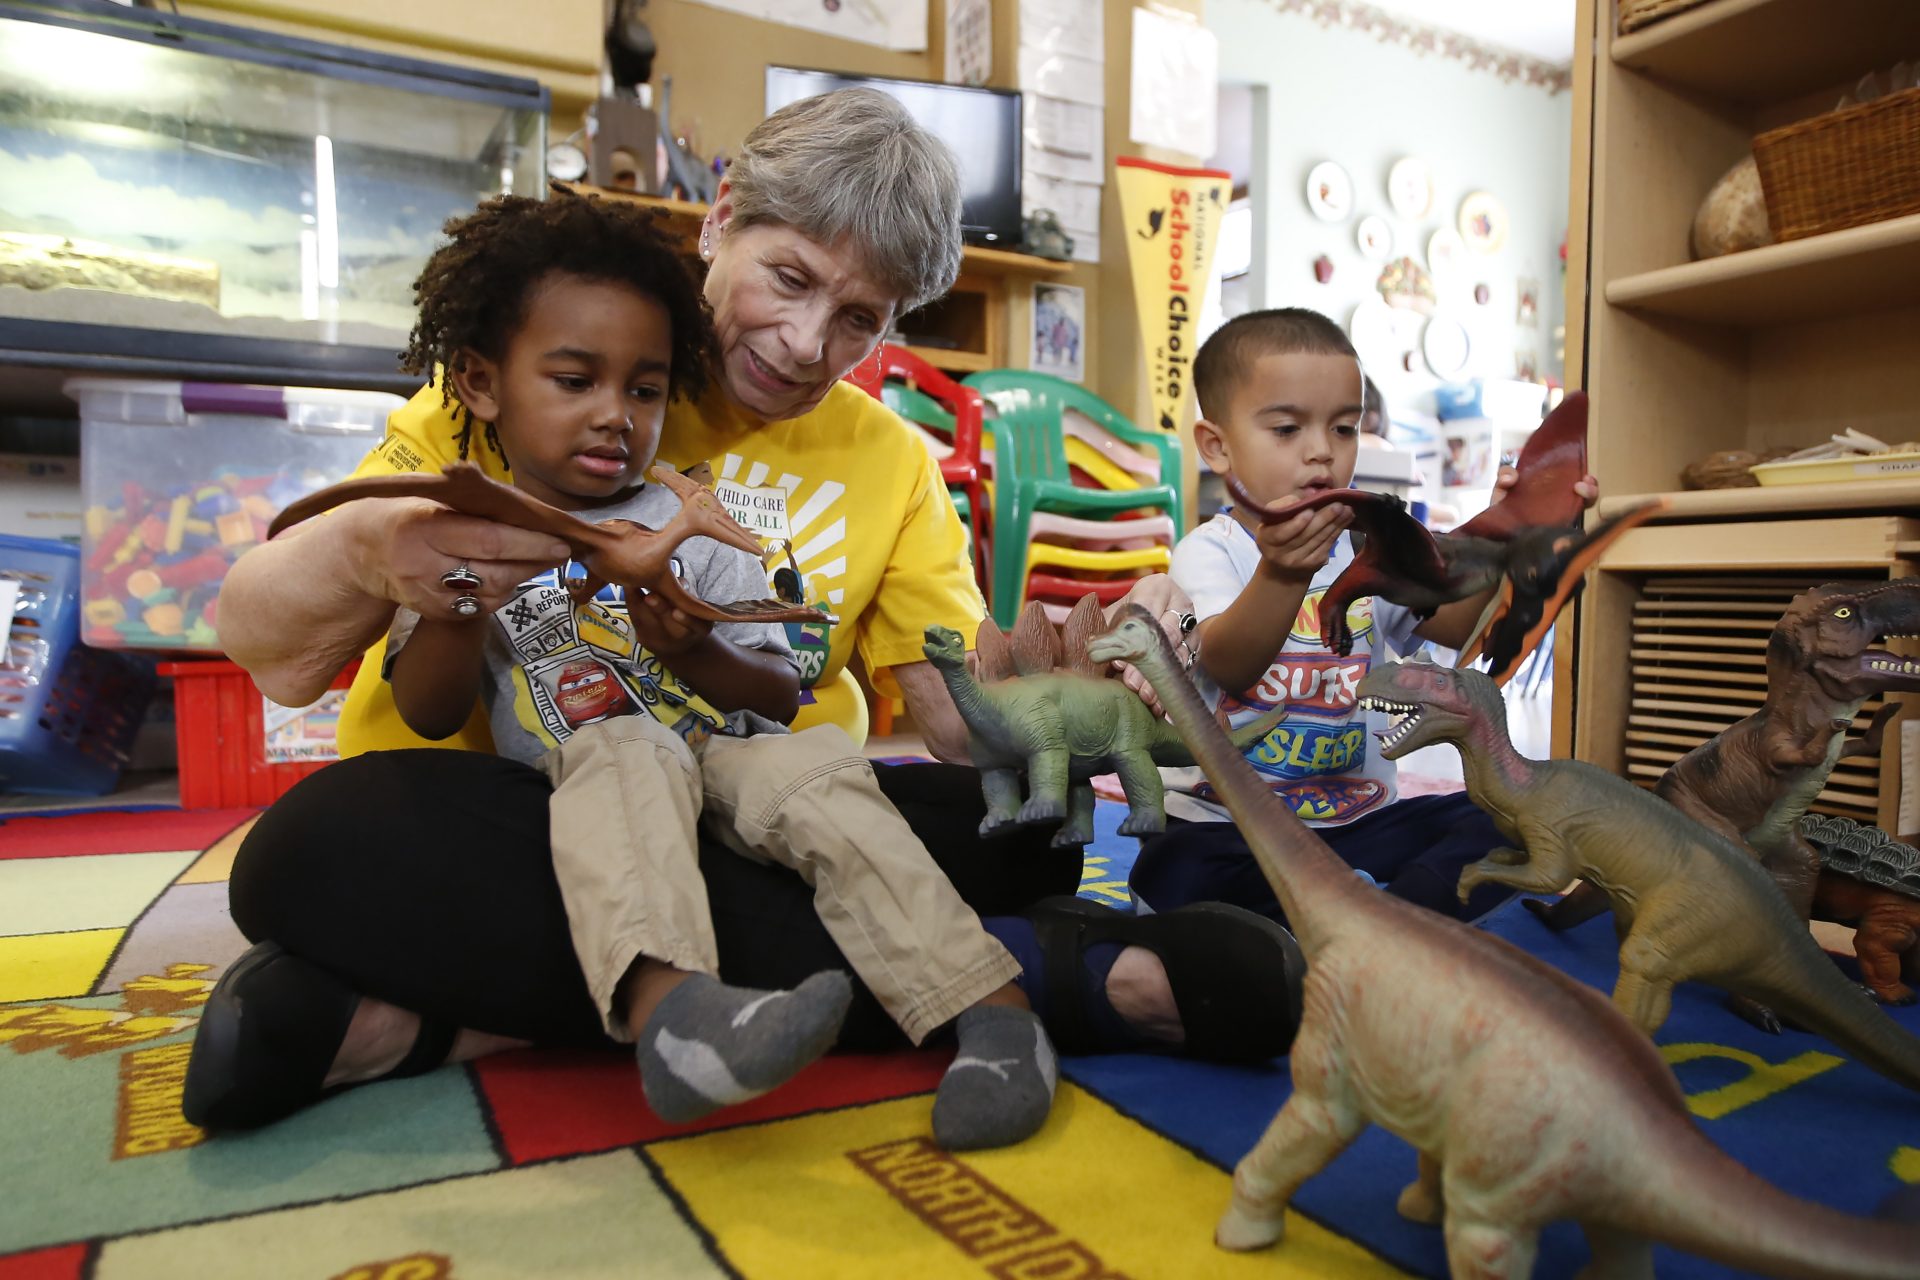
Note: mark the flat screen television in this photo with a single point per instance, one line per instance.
(981, 125)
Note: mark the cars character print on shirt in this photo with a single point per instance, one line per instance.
(577, 667)
(783, 511)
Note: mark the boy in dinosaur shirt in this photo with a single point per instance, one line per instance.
(1281, 403)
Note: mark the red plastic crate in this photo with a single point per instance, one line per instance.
(220, 729)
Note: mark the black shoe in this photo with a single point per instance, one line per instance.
(1236, 976)
(268, 1036)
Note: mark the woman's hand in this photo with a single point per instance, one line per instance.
(412, 543)
(1162, 597)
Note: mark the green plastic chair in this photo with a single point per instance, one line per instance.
(1031, 473)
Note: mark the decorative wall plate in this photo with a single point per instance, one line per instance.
(1330, 192)
(1374, 237)
(1375, 334)
(1446, 254)
(1405, 283)
(1445, 346)
(1483, 222)
(1410, 187)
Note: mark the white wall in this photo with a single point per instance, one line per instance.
(1335, 94)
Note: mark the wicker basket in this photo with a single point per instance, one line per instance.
(1635, 14)
(1843, 169)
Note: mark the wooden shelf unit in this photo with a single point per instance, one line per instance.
(1780, 346)
(1760, 51)
(973, 316)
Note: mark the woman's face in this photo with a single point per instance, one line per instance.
(794, 316)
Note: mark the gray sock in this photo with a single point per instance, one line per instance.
(709, 1045)
(999, 1089)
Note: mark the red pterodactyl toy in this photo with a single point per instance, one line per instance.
(1530, 546)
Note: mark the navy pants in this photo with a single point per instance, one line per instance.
(1414, 848)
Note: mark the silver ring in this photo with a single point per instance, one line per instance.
(466, 606)
(461, 579)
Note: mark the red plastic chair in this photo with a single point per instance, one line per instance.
(961, 468)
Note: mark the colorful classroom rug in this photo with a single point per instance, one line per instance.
(113, 927)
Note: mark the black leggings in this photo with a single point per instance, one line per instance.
(423, 878)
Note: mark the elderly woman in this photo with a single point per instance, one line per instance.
(404, 902)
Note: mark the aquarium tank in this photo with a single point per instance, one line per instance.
(192, 199)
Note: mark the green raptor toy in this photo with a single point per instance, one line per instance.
(1052, 716)
(1689, 903)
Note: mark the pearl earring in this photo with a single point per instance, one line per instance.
(706, 242)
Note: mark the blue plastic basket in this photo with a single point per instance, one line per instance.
(68, 714)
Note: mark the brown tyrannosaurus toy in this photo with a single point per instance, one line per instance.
(1753, 781)
(619, 551)
(1529, 1097)
(1690, 903)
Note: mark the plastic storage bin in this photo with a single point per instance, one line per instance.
(223, 732)
(181, 478)
(68, 714)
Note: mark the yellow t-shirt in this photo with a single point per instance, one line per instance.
(874, 533)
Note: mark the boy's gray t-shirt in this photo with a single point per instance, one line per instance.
(552, 669)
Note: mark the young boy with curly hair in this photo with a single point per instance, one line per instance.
(564, 326)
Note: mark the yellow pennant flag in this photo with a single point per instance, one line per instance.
(1171, 217)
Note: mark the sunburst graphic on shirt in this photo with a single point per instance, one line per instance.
(818, 542)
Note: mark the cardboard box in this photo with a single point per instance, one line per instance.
(40, 497)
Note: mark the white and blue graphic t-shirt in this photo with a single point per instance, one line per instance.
(553, 667)
(1323, 759)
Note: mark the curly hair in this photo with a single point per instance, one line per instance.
(473, 291)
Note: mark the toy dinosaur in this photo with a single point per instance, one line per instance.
(1872, 882)
(1690, 903)
(1530, 546)
(621, 551)
(1753, 781)
(1062, 726)
(1529, 1097)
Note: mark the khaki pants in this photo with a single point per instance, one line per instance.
(629, 796)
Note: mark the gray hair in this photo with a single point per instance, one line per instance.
(854, 165)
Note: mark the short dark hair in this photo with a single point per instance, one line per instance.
(1240, 341)
(473, 292)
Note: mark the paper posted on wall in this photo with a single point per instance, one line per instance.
(1077, 27)
(1176, 84)
(1063, 75)
(969, 41)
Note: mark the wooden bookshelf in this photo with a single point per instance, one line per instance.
(1842, 273)
(1758, 51)
(1776, 347)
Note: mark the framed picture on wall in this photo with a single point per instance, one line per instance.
(1060, 330)
(1526, 307)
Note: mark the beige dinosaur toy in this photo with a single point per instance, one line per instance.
(1689, 903)
(1530, 1098)
(618, 551)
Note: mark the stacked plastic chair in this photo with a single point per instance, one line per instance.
(1083, 500)
(949, 415)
